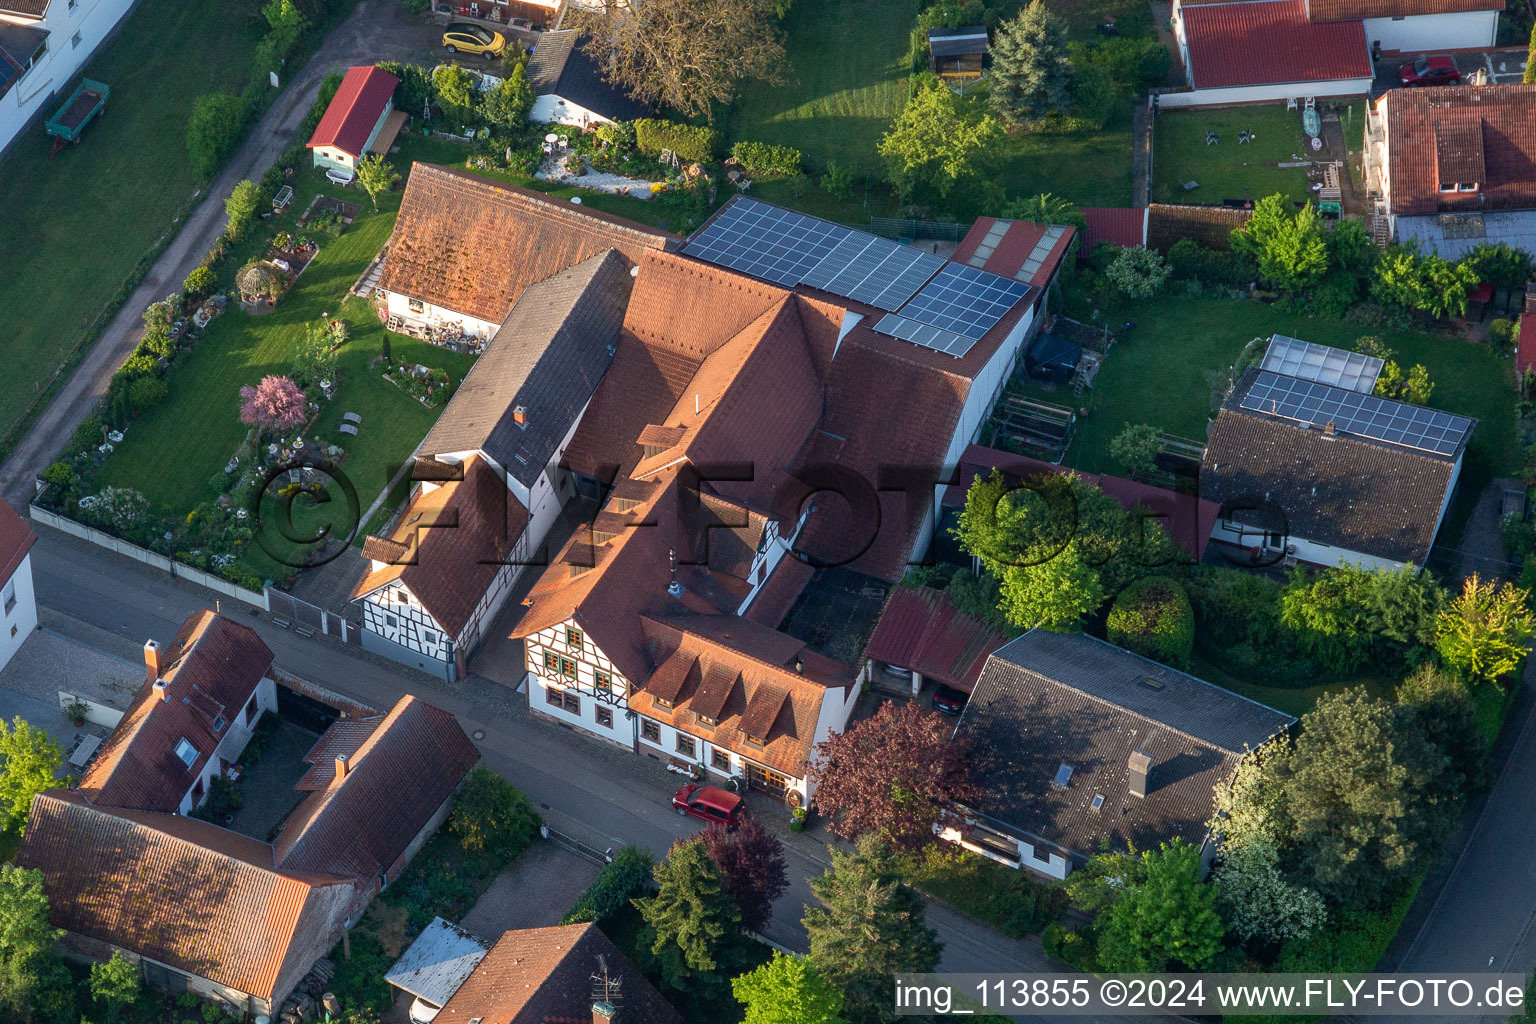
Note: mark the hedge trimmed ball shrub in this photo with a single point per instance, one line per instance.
(1152, 617)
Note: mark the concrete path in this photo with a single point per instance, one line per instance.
(536, 891)
(376, 30)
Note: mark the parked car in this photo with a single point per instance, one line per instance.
(422, 1011)
(949, 701)
(708, 803)
(1429, 71)
(462, 38)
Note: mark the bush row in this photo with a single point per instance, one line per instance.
(761, 160)
(628, 876)
(689, 142)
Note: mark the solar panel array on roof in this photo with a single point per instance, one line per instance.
(964, 300)
(1322, 363)
(874, 270)
(939, 340)
(1379, 419)
(766, 241)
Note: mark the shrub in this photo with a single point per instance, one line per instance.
(140, 364)
(1138, 273)
(147, 392)
(1076, 948)
(1152, 617)
(61, 475)
(87, 437)
(1503, 334)
(689, 142)
(202, 281)
(492, 818)
(213, 129)
(762, 160)
(156, 342)
(610, 892)
(837, 180)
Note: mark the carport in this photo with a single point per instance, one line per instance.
(437, 963)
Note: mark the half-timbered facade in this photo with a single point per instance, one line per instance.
(572, 681)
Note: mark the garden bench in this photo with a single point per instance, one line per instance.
(305, 632)
(352, 417)
(280, 623)
(338, 176)
(348, 428)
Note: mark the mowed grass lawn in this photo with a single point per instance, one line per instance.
(1086, 168)
(1167, 370)
(1228, 170)
(846, 79)
(75, 226)
(175, 454)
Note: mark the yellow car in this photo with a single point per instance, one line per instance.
(474, 39)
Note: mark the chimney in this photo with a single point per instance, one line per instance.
(520, 415)
(800, 665)
(604, 1013)
(1328, 429)
(152, 660)
(341, 767)
(1140, 766)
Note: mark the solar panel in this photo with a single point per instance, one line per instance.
(939, 340)
(964, 300)
(1322, 363)
(1350, 412)
(875, 270)
(766, 241)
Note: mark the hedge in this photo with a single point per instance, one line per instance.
(762, 160)
(694, 144)
(1152, 617)
(627, 876)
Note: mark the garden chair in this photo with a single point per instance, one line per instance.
(352, 417)
(1244, 137)
(1211, 138)
(349, 428)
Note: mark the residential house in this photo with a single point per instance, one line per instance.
(18, 602)
(1310, 466)
(570, 88)
(43, 45)
(1454, 165)
(464, 248)
(923, 638)
(360, 119)
(460, 545)
(956, 54)
(203, 909)
(204, 692)
(1081, 745)
(1261, 51)
(565, 973)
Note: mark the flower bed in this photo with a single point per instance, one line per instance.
(428, 386)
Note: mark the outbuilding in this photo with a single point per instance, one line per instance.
(361, 119)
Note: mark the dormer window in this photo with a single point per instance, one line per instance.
(755, 741)
(186, 751)
(703, 720)
(1458, 186)
(661, 703)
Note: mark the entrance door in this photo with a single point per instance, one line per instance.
(766, 780)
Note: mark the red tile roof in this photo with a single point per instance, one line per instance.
(211, 669)
(16, 539)
(1118, 225)
(920, 630)
(471, 245)
(449, 566)
(1017, 245)
(1263, 42)
(396, 780)
(1525, 358)
(177, 890)
(1447, 133)
(1345, 10)
(356, 108)
(1188, 519)
(545, 976)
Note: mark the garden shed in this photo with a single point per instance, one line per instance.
(956, 54)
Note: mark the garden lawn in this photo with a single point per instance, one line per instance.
(1227, 170)
(845, 81)
(76, 226)
(1171, 368)
(1293, 700)
(175, 454)
(1087, 168)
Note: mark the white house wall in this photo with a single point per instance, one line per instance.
(1313, 552)
(589, 660)
(17, 623)
(1470, 31)
(236, 735)
(399, 305)
(1039, 858)
(408, 632)
(44, 83)
(553, 109)
(1239, 95)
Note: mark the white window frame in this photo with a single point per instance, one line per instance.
(186, 752)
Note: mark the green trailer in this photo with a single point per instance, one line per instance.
(70, 120)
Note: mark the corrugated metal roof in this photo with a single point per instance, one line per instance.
(438, 962)
(1119, 225)
(920, 630)
(1265, 42)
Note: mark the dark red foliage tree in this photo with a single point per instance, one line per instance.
(751, 859)
(892, 775)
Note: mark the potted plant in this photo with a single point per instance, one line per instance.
(797, 819)
(76, 710)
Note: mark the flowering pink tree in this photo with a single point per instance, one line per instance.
(274, 404)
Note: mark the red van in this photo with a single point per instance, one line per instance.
(708, 803)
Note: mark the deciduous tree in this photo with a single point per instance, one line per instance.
(506, 107)
(1054, 594)
(1167, 918)
(29, 759)
(274, 404)
(1257, 900)
(787, 990)
(1135, 448)
(376, 176)
(937, 141)
(1484, 632)
(1289, 247)
(687, 54)
(29, 964)
(455, 88)
(1138, 272)
(1031, 72)
(493, 818)
(892, 775)
(115, 982)
(241, 206)
(1046, 208)
(751, 860)
(870, 926)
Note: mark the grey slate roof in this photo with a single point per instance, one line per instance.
(437, 963)
(1370, 497)
(1052, 699)
(559, 66)
(548, 356)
